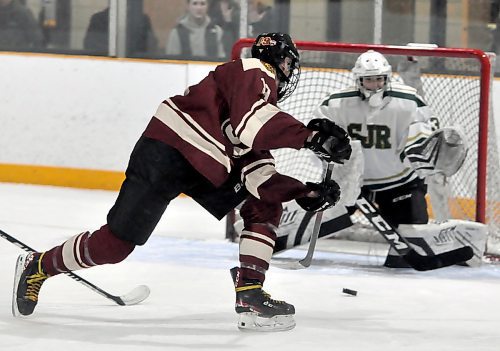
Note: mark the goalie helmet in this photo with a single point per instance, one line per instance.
(273, 48)
(370, 64)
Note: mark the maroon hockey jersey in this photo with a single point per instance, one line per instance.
(230, 121)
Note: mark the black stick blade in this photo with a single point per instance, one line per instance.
(445, 259)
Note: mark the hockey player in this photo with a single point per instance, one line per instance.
(212, 144)
(390, 119)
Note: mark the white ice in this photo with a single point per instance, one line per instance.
(186, 264)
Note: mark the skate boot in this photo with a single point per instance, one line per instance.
(256, 310)
(28, 280)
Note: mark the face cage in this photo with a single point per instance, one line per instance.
(287, 85)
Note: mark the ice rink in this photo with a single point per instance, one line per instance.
(186, 264)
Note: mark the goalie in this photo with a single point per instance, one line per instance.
(400, 139)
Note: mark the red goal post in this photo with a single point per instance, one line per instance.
(457, 83)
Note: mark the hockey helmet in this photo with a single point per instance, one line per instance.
(371, 63)
(273, 48)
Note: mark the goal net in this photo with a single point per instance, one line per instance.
(456, 84)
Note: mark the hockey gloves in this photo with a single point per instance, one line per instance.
(330, 142)
(327, 195)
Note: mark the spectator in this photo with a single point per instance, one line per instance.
(260, 18)
(496, 36)
(226, 14)
(142, 39)
(18, 28)
(196, 36)
(495, 46)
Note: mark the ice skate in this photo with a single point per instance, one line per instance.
(28, 280)
(257, 311)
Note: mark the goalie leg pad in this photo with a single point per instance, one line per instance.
(437, 238)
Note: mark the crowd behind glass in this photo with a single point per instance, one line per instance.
(206, 29)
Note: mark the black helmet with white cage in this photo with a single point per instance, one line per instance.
(273, 48)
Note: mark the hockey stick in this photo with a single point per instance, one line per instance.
(306, 261)
(403, 247)
(137, 295)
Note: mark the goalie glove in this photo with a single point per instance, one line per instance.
(328, 141)
(444, 152)
(325, 195)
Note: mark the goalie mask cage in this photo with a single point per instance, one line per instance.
(456, 84)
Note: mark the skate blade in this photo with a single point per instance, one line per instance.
(17, 276)
(252, 322)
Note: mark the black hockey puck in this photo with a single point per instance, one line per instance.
(349, 292)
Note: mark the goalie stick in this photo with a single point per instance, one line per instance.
(306, 261)
(137, 295)
(403, 247)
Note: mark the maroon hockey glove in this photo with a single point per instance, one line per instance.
(328, 194)
(330, 142)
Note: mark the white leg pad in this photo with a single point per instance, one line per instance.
(449, 235)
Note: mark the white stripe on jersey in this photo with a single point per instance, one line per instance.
(254, 120)
(403, 113)
(192, 132)
(253, 63)
(241, 125)
(264, 169)
(417, 131)
(393, 178)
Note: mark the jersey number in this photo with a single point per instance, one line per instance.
(377, 136)
(266, 91)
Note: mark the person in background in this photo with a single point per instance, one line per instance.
(213, 144)
(141, 40)
(18, 27)
(226, 14)
(260, 18)
(196, 35)
(495, 45)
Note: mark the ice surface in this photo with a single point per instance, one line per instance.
(186, 265)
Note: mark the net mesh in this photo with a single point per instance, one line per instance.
(451, 87)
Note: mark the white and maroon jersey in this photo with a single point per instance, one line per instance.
(230, 119)
(401, 120)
